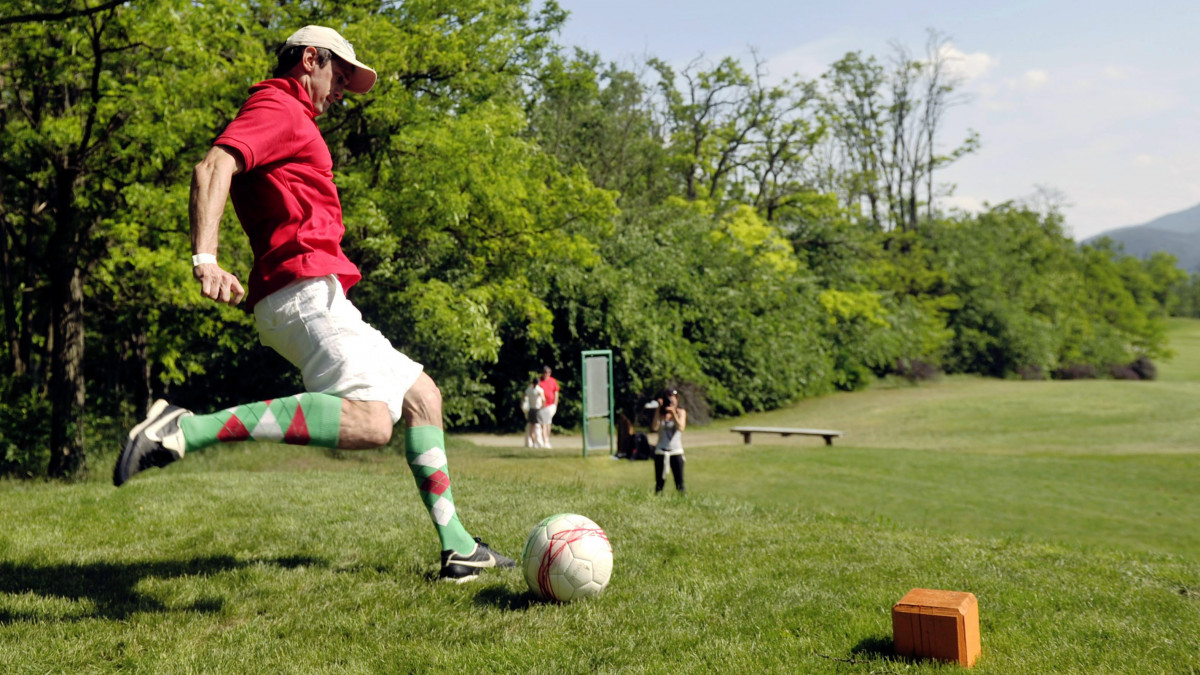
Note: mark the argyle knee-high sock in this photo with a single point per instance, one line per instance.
(425, 450)
(303, 419)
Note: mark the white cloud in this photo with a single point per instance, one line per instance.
(1032, 80)
(961, 203)
(1118, 72)
(808, 61)
(966, 66)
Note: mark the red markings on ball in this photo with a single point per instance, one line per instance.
(558, 542)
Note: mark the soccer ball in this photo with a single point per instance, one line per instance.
(567, 557)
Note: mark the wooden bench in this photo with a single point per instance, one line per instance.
(828, 434)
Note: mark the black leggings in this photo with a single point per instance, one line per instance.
(676, 471)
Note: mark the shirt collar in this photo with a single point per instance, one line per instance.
(293, 88)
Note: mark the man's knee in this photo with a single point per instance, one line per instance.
(423, 403)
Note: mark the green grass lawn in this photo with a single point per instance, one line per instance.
(1070, 509)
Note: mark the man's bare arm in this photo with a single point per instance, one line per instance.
(210, 188)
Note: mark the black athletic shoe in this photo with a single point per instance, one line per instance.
(458, 568)
(144, 447)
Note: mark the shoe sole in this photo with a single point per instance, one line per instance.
(495, 563)
(478, 564)
(459, 580)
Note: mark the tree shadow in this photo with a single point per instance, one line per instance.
(109, 589)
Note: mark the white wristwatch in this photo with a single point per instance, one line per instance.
(202, 258)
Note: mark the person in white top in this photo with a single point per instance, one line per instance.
(531, 404)
(669, 421)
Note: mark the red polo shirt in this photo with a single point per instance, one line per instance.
(550, 388)
(285, 199)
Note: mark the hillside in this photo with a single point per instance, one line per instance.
(1176, 233)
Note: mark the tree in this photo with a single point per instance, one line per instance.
(887, 123)
(601, 118)
(97, 102)
(710, 122)
(780, 167)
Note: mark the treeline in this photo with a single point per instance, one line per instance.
(512, 203)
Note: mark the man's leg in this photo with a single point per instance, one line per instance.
(535, 433)
(304, 419)
(425, 448)
(546, 427)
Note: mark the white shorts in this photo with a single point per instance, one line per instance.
(312, 324)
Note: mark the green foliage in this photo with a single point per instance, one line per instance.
(1016, 276)
(99, 112)
(600, 117)
(24, 425)
(856, 330)
(1183, 297)
(511, 205)
(1032, 302)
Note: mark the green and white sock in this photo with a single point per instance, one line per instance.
(303, 419)
(424, 448)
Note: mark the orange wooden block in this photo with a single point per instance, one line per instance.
(941, 625)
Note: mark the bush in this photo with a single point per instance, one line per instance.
(1077, 371)
(1120, 371)
(1144, 367)
(916, 370)
(1031, 372)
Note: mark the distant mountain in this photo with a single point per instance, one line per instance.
(1174, 233)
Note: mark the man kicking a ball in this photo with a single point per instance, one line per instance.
(277, 168)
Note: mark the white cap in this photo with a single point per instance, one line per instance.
(327, 38)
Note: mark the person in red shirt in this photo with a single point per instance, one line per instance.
(272, 161)
(549, 387)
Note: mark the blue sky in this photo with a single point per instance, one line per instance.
(1098, 100)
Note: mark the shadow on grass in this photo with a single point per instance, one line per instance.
(875, 647)
(502, 597)
(109, 589)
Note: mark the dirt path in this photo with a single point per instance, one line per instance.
(691, 439)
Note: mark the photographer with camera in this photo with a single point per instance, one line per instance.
(669, 421)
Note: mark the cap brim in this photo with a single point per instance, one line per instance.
(363, 78)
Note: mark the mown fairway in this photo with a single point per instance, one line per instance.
(1070, 509)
